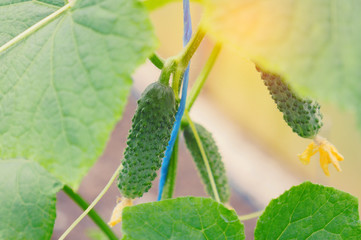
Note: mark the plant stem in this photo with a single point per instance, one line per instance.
(172, 172)
(36, 26)
(167, 70)
(187, 53)
(92, 214)
(198, 85)
(182, 59)
(157, 61)
(250, 216)
(177, 76)
(91, 206)
(204, 156)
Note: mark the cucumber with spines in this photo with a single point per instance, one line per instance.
(214, 158)
(147, 140)
(302, 115)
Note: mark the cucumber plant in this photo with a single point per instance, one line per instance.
(65, 70)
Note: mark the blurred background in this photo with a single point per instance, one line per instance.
(259, 149)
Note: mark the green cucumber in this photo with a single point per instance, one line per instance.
(147, 140)
(302, 115)
(214, 158)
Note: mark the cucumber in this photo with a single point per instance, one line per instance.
(147, 140)
(214, 158)
(302, 115)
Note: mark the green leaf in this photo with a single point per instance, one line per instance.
(17, 16)
(64, 88)
(313, 44)
(27, 200)
(310, 211)
(181, 218)
(152, 5)
(96, 234)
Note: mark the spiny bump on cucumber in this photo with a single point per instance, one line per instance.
(214, 158)
(302, 115)
(147, 140)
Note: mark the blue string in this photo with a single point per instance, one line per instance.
(178, 117)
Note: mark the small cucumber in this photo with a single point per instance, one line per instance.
(147, 140)
(214, 158)
(302, 115)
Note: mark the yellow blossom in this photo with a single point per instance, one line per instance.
(328, 154)
(117, 212)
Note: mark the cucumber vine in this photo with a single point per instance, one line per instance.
(161, 119)
(175, 66)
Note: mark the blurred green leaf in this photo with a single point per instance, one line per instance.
(310, 211)
(313, 44)
(181, 218)
(64, 88)
(96, 234)
(152, 5)
(27, 200)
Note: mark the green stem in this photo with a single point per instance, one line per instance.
(36, 26)
(182, 59)
(184, 123)
(167, 70)
(198, 85)
(157, 61)
(92, 214)
(177, 76)
(91, 206)
(187, 53)
(250, 216)
(172, 172)
(204, 156)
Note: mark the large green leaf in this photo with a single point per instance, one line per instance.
(313, 44)
(27, 200)
(181, 218)
(64, 88)
(310, 211)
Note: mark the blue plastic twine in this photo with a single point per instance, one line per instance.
(178, 117)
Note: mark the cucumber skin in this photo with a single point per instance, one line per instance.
(148, 139)
(214, 158)
(302, 115)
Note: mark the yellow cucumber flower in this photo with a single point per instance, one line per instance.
(117, 211)
(328, 154)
